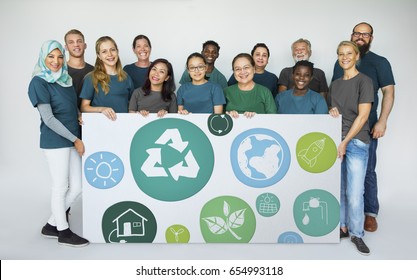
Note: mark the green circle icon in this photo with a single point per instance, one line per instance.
(316, 212)
(220, 124)
(316, 152)
(171, 159)
(177, 234)
(227, 219)
(128, 222)
(267, 204)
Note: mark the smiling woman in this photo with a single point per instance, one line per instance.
(108, 88)
(52, 93)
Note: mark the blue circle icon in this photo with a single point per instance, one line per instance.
(103, 170)
(290, 237)
(260, 157)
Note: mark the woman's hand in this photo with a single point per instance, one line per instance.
(334, 112)
(144, 113)
(162, 113)
(183, 112)
(109, 113)
(79, 147)
(249, 115)
(234, 114)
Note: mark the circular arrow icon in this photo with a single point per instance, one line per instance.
(219, 125)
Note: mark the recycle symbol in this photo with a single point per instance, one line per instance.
(153, 165)
(171, 159)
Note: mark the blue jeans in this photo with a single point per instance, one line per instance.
(371, 186)
(352, 187)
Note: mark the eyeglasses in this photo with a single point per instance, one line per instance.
(194, 68)
(364, 35)
(244, 68)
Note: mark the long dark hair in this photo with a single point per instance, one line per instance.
(168, 87)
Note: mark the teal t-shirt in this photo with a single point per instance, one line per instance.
(310, 103)
(63, 101)
(258, 100)
(200, 98)
(117, 98)
(138, 74)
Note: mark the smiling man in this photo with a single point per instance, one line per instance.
(379, 70)
(77, 67)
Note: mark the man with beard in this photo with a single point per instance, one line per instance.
(379, 70)
(77, 67)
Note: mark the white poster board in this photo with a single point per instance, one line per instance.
(210, 178)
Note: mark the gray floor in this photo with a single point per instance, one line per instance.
(25, 207)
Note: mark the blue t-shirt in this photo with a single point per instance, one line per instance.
(267, 79)
(310, 103)
(117, 98)
(200, 98)
(63, 101)
(138, 74)
(379, 70)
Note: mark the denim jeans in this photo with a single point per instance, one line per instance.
(371, 186)
(352, 187)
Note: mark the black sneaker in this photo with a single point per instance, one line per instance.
(360, 245)
(68, 238)
(344, 234)
(49, 231)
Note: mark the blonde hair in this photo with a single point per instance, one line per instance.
(350, 44)
(99, 75)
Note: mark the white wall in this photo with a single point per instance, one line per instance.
(179, 27)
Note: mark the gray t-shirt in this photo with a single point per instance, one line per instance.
(152, 102)
(346, 95)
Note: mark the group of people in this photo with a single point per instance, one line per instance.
(61, 90)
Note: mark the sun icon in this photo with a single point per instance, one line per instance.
(103, 170)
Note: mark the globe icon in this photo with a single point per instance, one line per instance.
(260, 157)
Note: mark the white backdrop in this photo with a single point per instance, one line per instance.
(179, 27)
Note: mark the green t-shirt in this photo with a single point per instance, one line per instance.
(258, 100)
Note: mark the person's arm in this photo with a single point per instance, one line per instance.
(218, 109)
(107, 111)
(56, 126)
(380, 126)
(281, 88)
(363, 114)
(182, 111)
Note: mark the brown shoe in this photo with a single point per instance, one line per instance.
(370, 223)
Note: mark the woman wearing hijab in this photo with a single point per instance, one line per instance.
(52, 93)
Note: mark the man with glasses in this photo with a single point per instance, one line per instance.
(379, 70)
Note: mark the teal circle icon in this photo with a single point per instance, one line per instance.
(267, 204)
(227, 219)
(219, 124)
(129, 222)
(316, 212)
(171, 159)
(103, 170)
(316, 152)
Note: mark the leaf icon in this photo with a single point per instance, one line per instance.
(216, 225)
(226, 209)
(237, 218)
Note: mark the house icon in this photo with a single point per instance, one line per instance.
(130, 223)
